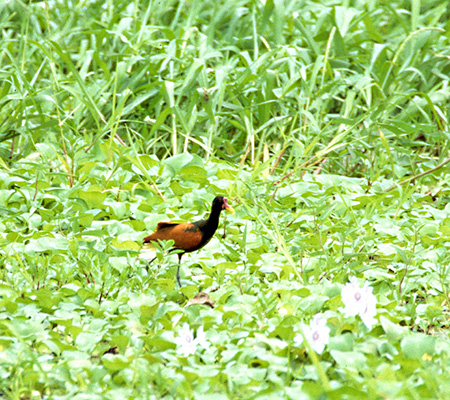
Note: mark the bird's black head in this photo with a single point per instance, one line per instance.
(221, 203)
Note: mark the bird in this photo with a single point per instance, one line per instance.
(189, 236)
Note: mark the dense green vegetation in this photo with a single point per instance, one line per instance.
(326, 126)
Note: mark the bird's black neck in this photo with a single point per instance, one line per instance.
(213, 220)
(209, 226)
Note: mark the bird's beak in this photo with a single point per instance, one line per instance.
(230, 209)
(226, 206)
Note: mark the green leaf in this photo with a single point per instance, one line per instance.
(194, 173)
(417, 346)
(352, 360)
(114, 363)
(181, 161)
(343, 343)
(47, 244)
(93, 198)
(393, 331)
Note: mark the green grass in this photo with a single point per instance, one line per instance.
(326, 126)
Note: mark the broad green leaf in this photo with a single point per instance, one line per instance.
(47, 244)
(418, 346)
(352, 360)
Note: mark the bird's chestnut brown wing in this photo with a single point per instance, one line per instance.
(162, 225)
(185, 235)
(159, 231)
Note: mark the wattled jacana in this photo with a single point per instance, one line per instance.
(189, 236)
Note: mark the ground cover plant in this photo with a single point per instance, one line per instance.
(325, 124)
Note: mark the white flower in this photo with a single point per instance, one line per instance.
(360, 301)
(317, 334)
(201, 338)
(187, 344)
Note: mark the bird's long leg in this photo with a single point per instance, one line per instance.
(178, 269)
(147, 266)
